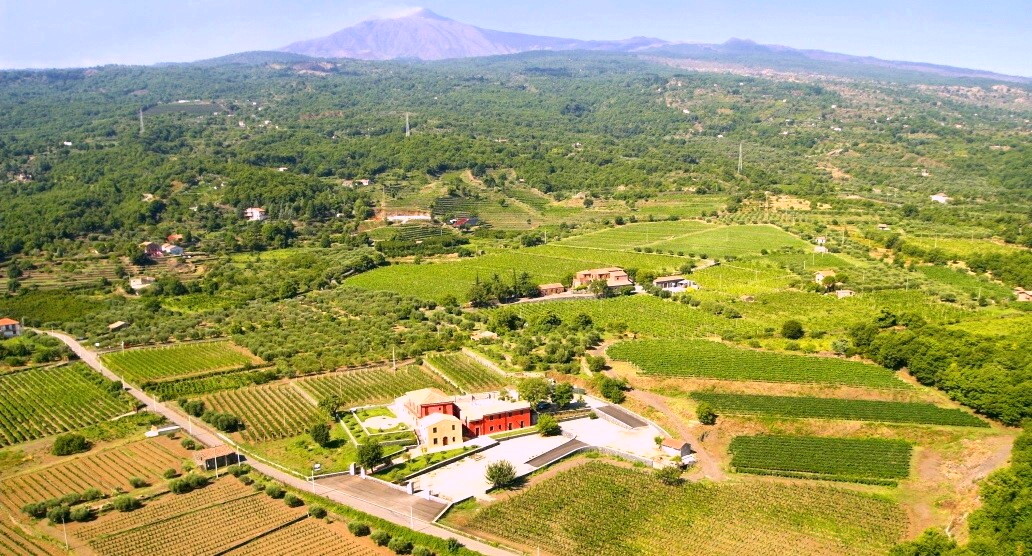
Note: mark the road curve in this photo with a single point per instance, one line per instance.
(209, 438)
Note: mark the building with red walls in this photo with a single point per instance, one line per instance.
(479, 414)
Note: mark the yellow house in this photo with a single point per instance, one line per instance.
(440, 429)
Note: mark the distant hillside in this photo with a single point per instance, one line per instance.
(425, 35)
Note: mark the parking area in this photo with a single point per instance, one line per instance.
(377, 493)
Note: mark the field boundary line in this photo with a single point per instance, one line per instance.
(436, 370)
(261, 535)
(308, 397)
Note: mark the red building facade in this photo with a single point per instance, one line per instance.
(505, 421)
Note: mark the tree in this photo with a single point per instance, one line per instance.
(534, 391)
(125, 503)
(669, 475)
(931, 543)
(792, 329)
(611, 389)
(369, 453)
(67, 444)
(500, 474)
(562, 394)
(595, 363)
(548, 426)
(706, 414)
(320, 433)
(600, 288)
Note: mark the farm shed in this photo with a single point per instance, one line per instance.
(219, 456)
(674, 284)
(117, 325)
(1022, 294)
(551, 289)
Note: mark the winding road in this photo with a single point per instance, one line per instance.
(209, 438)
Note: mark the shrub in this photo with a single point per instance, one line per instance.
(320, 433)
(275, 491)
(245, 479)
(548, 426)
(422, 551)
(59, 514)
(317, 512)
(170, 473)
(192, 407)
(369, 453)
(67, 444)
(358, 528)
(292, 501)
(179, 486)
(381, 538)
(400, 546)
(225, 422)
(91, 494)
(706, 414)
(189, 444)
(669, 475)
(81, 514)
(792, 329)
(501, 473)
(454, 545)
(137, 482)
(196, 481)
(37, 510)
(125, 503)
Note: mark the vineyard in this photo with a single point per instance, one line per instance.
(310, 537)
(106, 470)
(268, 412)
(469, 375)
(15, 543)
(42, 402)
(849, 459)
(701, 358)
(175, 389)
(601, 509)
(208, 530)
(148, 364)
(372, 386)
(836, 408)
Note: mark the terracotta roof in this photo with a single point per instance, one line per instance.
(7, 322)
(217, 451)
(668, 279)
(674, 443)
(435, 418)
(551, 286)
(427, 396)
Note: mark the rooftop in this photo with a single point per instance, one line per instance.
(217, 451)
(7, 321)
(435, 418)
(473, 409)
(426, 396)
(668, 279)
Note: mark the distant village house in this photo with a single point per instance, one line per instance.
(137, 283)
(551, 289)
(675, 284)
(255, 214)
(1022, 294)
(614, 277)
(151, 249)
(9, 328)
(219, 456)
(172, 249)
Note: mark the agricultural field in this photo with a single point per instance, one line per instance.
(629, 236)
(45, 401)
(598, 508)
(310, 537)
(960, 247)
(106, 470)
(15, 542)
(738, 241)
(224, 525)
(269, 412)
(702, 358)
(802, 407)
(975, 286)
(371, 386)
(469, 375)
(175, 389)
(150, 364)
(873, 460)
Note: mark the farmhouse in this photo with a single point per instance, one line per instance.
(820, 249)
(137, 283)
(117, 325)
(172, 249)
(353, 183)
(439, 429)
(940, 198)
(551, 289)
(615, 277)
(151, 249)
(821, 240)
(675, 284)
(844, 293)
(464, 222)
(820, 275)
(255, 214)
(213, 458)
(476, 414)
(9, 328)
(1022, 294)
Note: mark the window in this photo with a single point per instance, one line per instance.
(435, 429)
(435, 441)
(453, 427)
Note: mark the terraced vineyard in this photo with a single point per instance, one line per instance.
(602, 509)
(269, 412)
(701, 358)
(871, 460)
(469, 375)
(148, 364)
(106, 470)
(310, 537)
(41, 402)
(209, 530)
(366, 387)
(802, 407)
(625, 238)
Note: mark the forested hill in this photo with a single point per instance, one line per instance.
(76, 163)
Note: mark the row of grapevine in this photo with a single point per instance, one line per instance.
(702, 358)
(467, 374)
(823, 457)
(139, 365)
(371, 386)
(804, 407)
(268, 412)
(41, 402)
(310, 537)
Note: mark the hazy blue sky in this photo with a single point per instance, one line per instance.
(57, 33)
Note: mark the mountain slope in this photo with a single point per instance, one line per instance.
(427, 36)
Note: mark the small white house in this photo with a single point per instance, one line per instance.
(675, 284)
(171, 249)
(255, 214)
(940, 198)
(138, 283)
(9, 328)
(821, 240)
